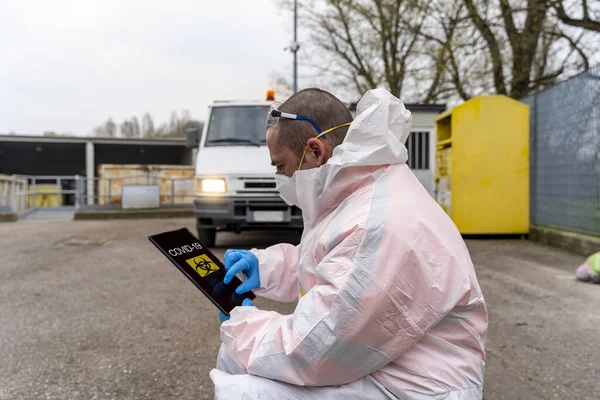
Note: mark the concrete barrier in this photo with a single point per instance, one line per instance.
(574, 242)
(8, 217)
(134, 214)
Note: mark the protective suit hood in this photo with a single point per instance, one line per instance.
(375, 138)
(377, 134)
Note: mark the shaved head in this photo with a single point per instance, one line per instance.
(290, 139)
(322, 107)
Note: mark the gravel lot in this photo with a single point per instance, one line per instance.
(91, 310)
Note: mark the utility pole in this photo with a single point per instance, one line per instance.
(295, 46)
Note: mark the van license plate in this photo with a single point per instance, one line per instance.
(268, 216)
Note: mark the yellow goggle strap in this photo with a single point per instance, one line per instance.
(318, 136)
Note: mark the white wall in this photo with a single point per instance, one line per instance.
(425, 121)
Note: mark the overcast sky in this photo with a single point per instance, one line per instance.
(67, 66)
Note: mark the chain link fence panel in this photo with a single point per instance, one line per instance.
(565, 154)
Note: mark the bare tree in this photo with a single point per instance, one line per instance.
(178, 126)
(183, 123)
(367, 42)
(130, 128)
(135, 127)
(147, 126)
(185, 116)
(174, 122)
(428, 50)
(162, 130)
(526, 48)
(449, 51)
(281, 85)
(110, 128)
(126, 129)
(523, 43)
(99, 131)
(590, 19)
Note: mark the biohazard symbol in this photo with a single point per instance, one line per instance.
(203, 265)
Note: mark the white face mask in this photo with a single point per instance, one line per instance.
(287, 188)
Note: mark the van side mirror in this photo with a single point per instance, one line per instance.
(192, 138)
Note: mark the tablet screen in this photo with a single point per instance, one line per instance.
(201, 267)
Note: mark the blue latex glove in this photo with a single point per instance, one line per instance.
(223, 317)
(242, 261)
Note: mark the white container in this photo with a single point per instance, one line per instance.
(140, 196)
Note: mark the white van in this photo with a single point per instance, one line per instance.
(235, 179)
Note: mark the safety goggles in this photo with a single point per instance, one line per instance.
(274, 114)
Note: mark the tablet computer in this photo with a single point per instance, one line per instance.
(201, 267)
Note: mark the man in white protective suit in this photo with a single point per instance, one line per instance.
(389, 306)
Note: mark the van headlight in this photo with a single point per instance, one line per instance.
(212, 185)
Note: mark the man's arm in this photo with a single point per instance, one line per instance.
(376, 296)
(278, 270)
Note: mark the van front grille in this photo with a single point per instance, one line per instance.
(259, 185)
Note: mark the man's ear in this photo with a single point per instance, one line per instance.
(317, 147)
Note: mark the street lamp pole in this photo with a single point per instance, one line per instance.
(295, 46)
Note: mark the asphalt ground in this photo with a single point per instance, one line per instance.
(91, 310)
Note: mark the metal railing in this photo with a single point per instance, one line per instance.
(9, 187)
(24, 193)
(107, 192)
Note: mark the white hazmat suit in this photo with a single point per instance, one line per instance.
(388, 300)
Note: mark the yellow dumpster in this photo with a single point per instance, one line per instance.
(482, 165)
(45, 196)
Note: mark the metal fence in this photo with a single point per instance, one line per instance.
(9, 187)
(107, 192)
(22, 194)
(565, 154)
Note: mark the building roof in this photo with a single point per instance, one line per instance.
(93, 139)
(415, 107)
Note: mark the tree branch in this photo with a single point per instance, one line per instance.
(525, 46)
(586, 22)
(395, 39)
(359, 65)
(337, 49)
(456, 79)
(385, 41)
(509, 23)
(574, 46)
(493, 47)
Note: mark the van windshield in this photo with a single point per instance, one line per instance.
(237, 125)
